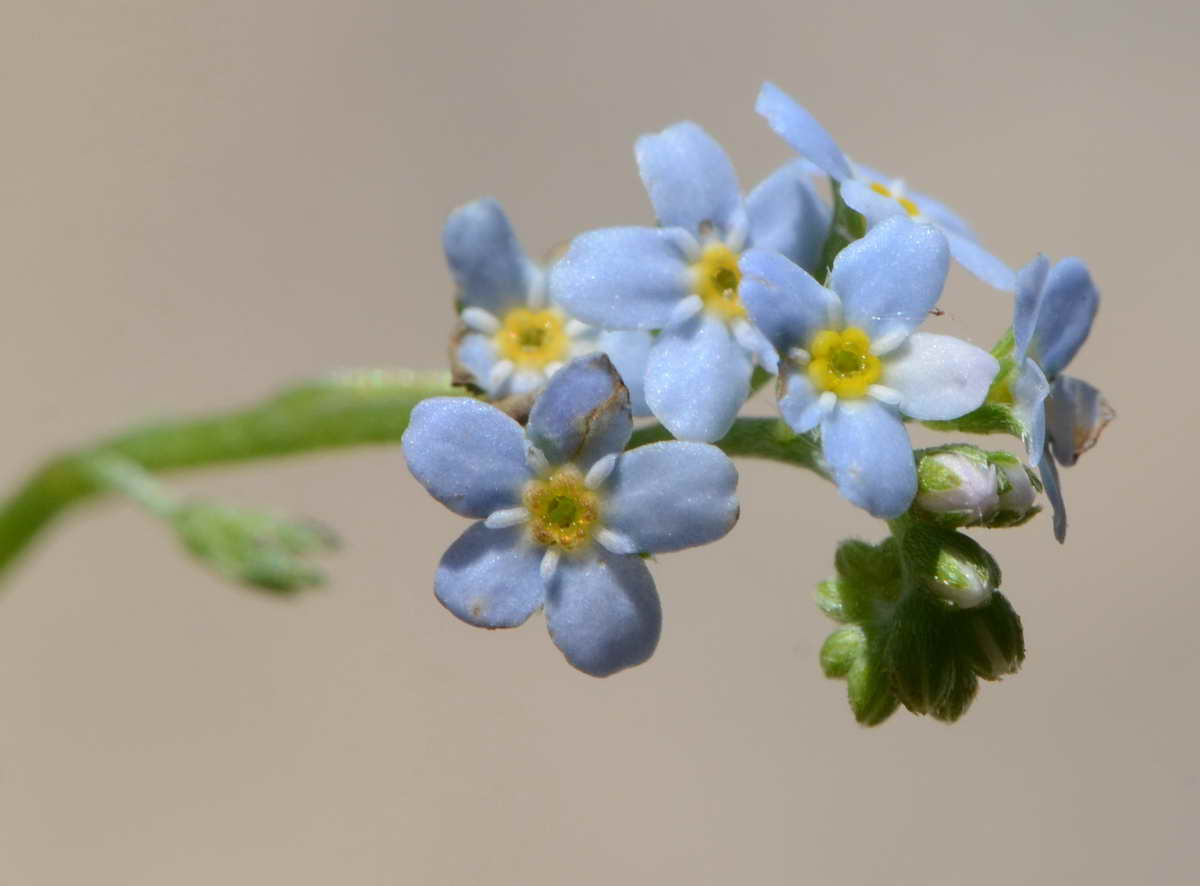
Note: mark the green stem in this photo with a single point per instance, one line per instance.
(767, 438)
(349, 409)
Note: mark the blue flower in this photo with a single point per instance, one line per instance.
(1053, 314)
(682, 277)
(853, 362)
(874, 195)
(563, 512)
(513, 338)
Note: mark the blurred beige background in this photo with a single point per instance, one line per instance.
(201, 201)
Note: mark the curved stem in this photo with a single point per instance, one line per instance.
(347, 409)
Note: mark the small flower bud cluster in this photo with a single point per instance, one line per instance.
(921, 640)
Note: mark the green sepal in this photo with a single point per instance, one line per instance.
(992, 639)
(990, 418)
(869, 689)
(921, 656)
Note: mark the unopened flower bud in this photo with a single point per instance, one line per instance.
(957, 486)
(1018, 491)
(964, 573)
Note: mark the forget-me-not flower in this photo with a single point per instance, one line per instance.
(563, 512)
(852, 361)
(872, 194)
(1053, 314)
(683, 277)
(513, 337)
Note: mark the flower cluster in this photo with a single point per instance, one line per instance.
(682, 321)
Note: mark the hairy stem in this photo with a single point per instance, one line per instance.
(347, 409)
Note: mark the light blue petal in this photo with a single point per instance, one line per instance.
(670, 496)
(622, 278)
(941, 215)
(939, 377)
(697, 378)
(468, 455)
(489, 577)
(787, 216)
(872, 205)
(801, 130)
(981, 263)
(1053, 489)
(629, 350)
(583, 414)
(690, 179)
(890, 279)
(487, 262)
(477, 354)
(866, 445)
(787, 305)
(1031, 284)
(603, 612)
(1069, 304)
(1076, 414)
(800, 404)
(1029, 391)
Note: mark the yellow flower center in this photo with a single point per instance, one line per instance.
(842, 362)
(717, 278)
(533, 339)
(563, 512)
(884, 190)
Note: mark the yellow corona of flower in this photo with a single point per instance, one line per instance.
(842, 362)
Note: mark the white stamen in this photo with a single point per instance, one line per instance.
(549, 564)
(480, 320)
(799, 356)
(506, 517)
(884, 394)
(599, 472)
(500, 373)
(552, 368)
(747, 336)
(536, 298)
(889, 342)
(536, 460)
(617, 542)
(688, 245)
(685, 310)
(576, 328)
(739, 232)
